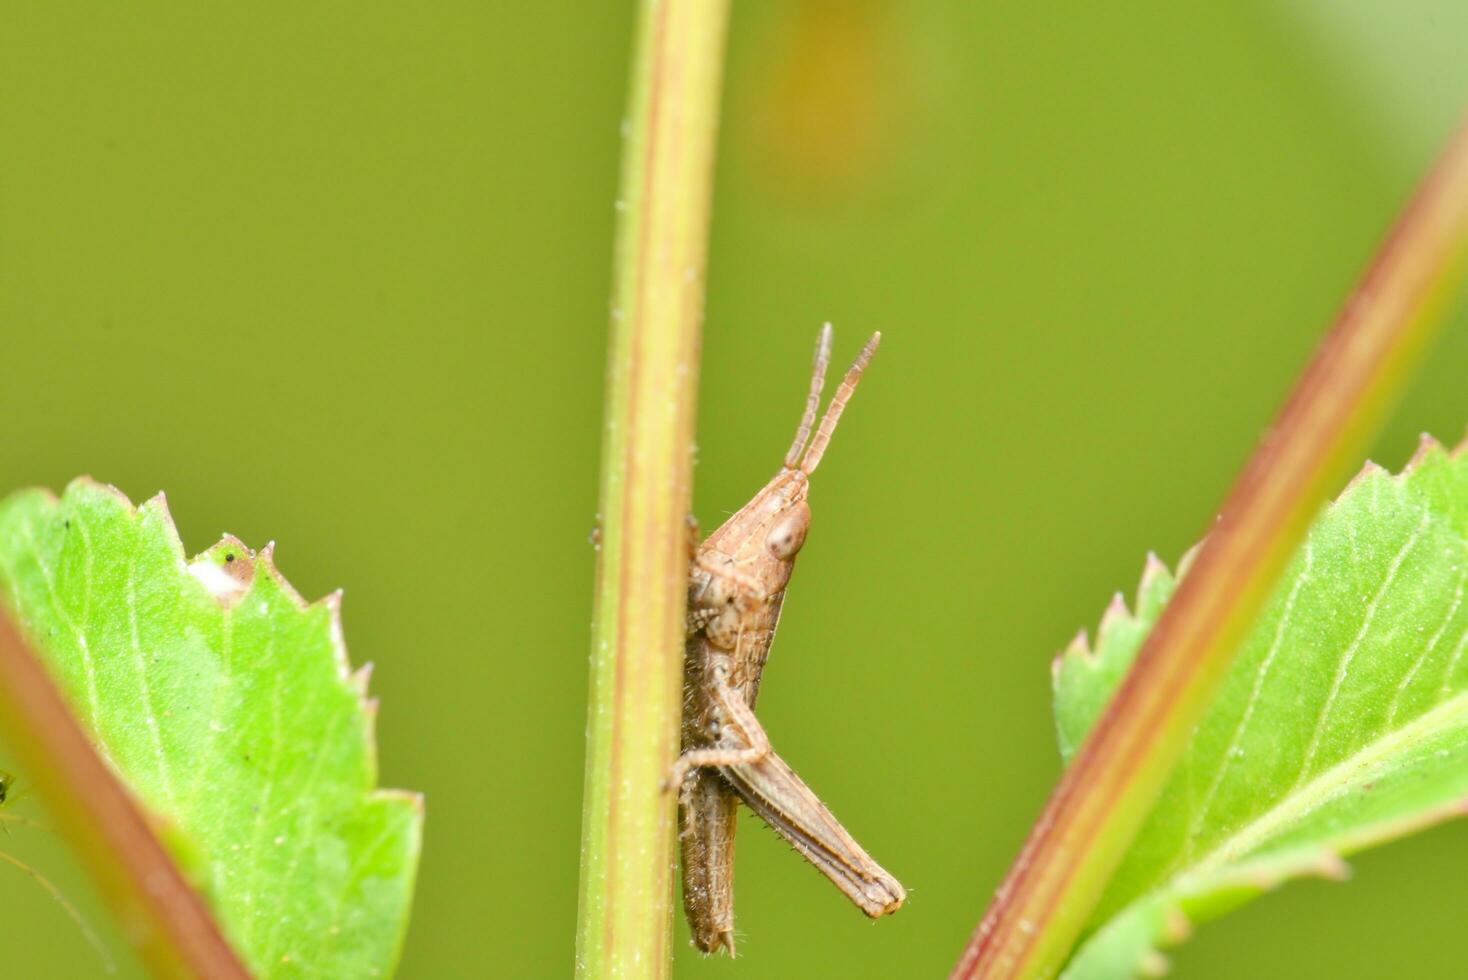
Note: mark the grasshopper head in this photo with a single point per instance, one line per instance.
(773, 525)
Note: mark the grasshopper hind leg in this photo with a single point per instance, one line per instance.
(708, 806)
(706, 837)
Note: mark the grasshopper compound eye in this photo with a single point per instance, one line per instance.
(788, 534)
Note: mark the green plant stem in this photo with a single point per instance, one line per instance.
(624, 926)
(163, 917)
(1103, 797)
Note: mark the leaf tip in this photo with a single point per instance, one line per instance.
(1367, 471)
(332, 603)
(226, 570)
(88, 487)
(1153, 588)
(1116, 612)
(1332, 867)
(1191, 555)
(1079, 649)
(414, 800)
(1153, 964)
(1427, 447)
(85, 482)
(266, 560)
(360, 678)
(1175, 926)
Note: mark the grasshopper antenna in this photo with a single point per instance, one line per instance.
(813, 401)
(822, 438)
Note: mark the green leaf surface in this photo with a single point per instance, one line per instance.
(1343, 722)
(227, 704)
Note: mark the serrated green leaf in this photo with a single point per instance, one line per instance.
(1343, 722)
(227, 704)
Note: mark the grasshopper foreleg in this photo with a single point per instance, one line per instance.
(738, 737)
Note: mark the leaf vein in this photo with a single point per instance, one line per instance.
(268, 785)
(303, 841)
(89, 670)
(1432, 643)
(1343, 667)
(150, 719)
(1229, 753)
(1300, 801)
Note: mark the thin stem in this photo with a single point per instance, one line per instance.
(1101, 800)
(642, 569)
(158, 911)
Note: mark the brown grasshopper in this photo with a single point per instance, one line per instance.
(736, 586)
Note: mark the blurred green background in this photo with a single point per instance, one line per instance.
(337, 275)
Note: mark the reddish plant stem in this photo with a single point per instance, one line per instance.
(164, 918)
(1345, 391)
